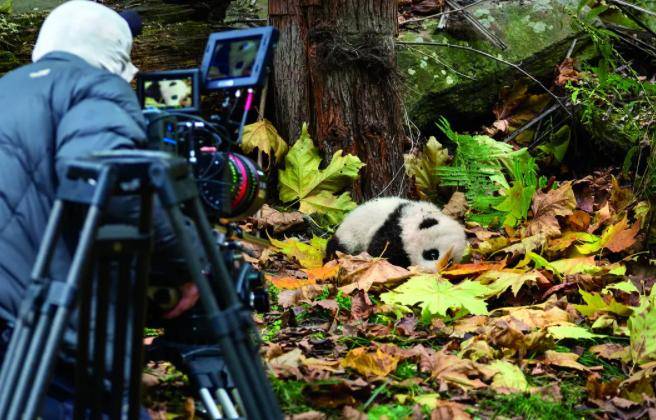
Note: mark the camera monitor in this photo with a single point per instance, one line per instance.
(175, 90)
(237, 59)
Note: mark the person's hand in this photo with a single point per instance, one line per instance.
(189, 298)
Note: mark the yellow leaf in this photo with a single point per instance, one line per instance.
(368, 363)
(308, 255)
(288, 283)
(566, 360)
(263, 136)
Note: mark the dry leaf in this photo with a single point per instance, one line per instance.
(320, 274)
(288, 298)
(567, 73)
(288, 283)
(451, 369)
(472, 270)
(369, 363)
(566, 360)
(547, 206)
(361, 306)
(611, 351)
(457, 206)
(364, 272)
(449, 410)
(268, 217)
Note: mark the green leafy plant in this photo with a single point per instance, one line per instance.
(315, 189)
(499, 182)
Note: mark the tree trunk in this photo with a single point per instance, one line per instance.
(335, 68)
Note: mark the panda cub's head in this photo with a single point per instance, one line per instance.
(428, 235)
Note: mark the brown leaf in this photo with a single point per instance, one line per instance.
(620, 197)
(350, 413)
(308, 415)
(620, 236)
(369, 363)
(611, 351)
(600, 390)
(364, 272)
(268, 217)
(566, 360)
(361, 306)
(449, 410)
(288, 298)
(456, 371)
(546, 206)
(406, 326)
(567, 73)
(579, 221)
(457, 206)
(600, 217)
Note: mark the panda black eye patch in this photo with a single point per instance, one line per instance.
(426, 223)
(431, 255)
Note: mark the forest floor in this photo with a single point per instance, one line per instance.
(552, 312)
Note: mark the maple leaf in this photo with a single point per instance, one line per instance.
(499, 281)
(368, 363)
(611, 351)
(536, 318)
(596, 303)
(568, 239)
(547, 206)
(308, 255)
(577, 265)
(437, 296)
(575, 332)
(616, 238)
(642, 330)
(526, 245)
(263, 136)
(421, 168)
(508, 377)
(303, 181)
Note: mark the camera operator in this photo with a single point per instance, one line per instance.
(73, 100)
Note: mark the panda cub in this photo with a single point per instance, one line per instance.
(403, 231)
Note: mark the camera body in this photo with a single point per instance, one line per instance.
(231, 186)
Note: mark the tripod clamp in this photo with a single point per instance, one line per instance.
(49, 304)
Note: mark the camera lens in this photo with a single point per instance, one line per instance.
(231, 184)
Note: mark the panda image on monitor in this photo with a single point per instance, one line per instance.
(173, 93)
(407, 233)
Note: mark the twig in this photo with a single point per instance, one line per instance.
(632, 6)
(490, 56)
(531, 123)
(495, 40)
(444, 13)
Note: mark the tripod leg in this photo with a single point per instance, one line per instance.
(226, 403)
(240, 375)
(209, 403)
(77, 271)
(256, 369)
(20, 337)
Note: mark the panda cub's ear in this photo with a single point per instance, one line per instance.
(426, 223)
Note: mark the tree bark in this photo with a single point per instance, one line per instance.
(335, 68)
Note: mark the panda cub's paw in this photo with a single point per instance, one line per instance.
(407, 233)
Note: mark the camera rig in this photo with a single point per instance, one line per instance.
(230, 185)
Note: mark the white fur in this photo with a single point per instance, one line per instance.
(174, 92)
(448, 236)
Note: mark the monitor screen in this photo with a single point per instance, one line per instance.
(234, 58)
(169, 93)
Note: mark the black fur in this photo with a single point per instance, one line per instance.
(426, 223)
(333, 246)
(387, 240)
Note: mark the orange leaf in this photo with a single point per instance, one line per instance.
(376, 363)
(288, 283)
(465, 270)
(620, 236)
(326, 272)
(579, 221)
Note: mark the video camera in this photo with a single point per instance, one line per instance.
(235, 63)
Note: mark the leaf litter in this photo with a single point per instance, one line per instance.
(545, 303)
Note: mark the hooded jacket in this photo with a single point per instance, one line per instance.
(56, 109)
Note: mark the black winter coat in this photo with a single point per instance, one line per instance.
(53, 110)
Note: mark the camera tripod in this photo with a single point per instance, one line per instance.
(110, 316)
